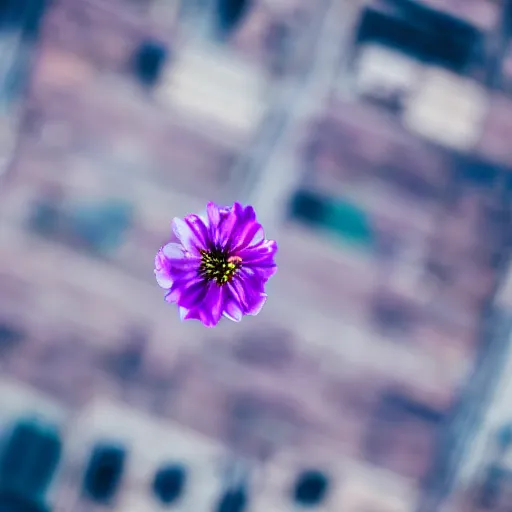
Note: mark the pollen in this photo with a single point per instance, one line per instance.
(218, 266)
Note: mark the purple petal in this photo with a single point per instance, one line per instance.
(222, 222)
(213, 212)
(261, 253)
(233, 311)
(256, 303)
(177, 264)
(225, 230)
(247, 227)
(184, 269)
(192, 233)
(236, 293)
(163, 280)
(192, 314)
(213, 215)
(255, 296)
(214, 304)
(196, 314)
(247, 291)
(236, 231)
(247, 235)
(173, 251)
(262, 274)
(190, 292)
(245, 214)
(260, 258)
(266, 273)
(172, 295)
(251, 298)
(162, 270)
(233, 222)
(209, 310)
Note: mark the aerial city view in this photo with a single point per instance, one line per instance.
(374, 140)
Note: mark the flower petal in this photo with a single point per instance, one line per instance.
(209, 310)
(256, 303)
(234, 224)
(244, 213)
(177, 264)
(233, 311)
(260, 258)
(193, 314)
(163, 280)
(247, 290)
(221, 223)
(235, 232)
(213, 304)
(225, 230)
(266, 273)
(173, 251)
(254, 287)
(262, 274)
(237, 293)
(247, 235)
(172, 295)
(191, 292)
(184, 268)
(263, 252)
(213, 212)
(162, 270)
(192, 233)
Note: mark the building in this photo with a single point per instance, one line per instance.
(377, 158)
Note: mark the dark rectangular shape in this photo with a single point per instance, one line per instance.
(308, 207)
(29, 459)
(149, 60)
(104, 472)
(426, 34)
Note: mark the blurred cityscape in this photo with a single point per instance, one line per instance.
(374, 139)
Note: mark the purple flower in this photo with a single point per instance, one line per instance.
(220, 265)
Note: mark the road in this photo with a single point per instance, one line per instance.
(275, 165)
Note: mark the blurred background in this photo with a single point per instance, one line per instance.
(374, 139)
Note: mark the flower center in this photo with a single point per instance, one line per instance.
(217, 266)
